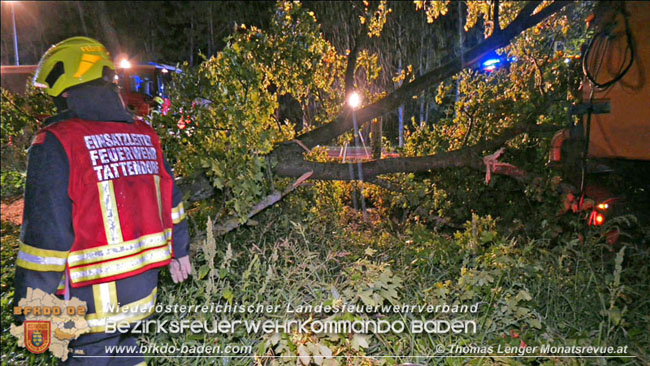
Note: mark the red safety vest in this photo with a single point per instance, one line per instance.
(121, 197)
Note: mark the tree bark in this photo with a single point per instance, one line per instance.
(107, 26)
(211, 40)
(375, 137)
(293, 165)
(81, 17)
(359, 42)
(191, 40)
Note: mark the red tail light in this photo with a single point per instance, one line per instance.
(596, 218)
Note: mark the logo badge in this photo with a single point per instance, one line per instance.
(37, 335)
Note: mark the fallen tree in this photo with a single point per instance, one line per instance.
(289, 154)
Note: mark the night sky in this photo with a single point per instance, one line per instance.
(149, 31)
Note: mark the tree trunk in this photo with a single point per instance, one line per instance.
(109, 31)
(81, 17)
(152, 55)
(293, 165)
(211, 50)
(191, 40)
(375, 137)
(461, 49)
(422, 70)
(400, 112)
(427, 105)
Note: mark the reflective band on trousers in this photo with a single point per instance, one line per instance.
(119, 250)
(134, 311)
(105, 297)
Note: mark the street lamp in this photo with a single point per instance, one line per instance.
(354, 101)
(13, 19)
(124, 64)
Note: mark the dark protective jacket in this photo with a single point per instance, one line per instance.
(55, 232)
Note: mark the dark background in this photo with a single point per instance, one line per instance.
(159, 31)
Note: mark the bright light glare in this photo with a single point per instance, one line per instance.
(354, 100)
(567, 60)
(599, 219)
(603, 206)
(125, 64)
(164, 71)
(492, 61)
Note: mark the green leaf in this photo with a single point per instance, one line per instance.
(366, 298)
(203, 271)
(370, 252)
(228, 295)
(616, 315)
(523, 295)
(535, 323)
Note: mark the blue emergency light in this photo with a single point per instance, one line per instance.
(492, 61)
(491, 64)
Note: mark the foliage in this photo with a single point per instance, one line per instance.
(233, 99)
(21, 115)
(254, 76)
(377, 19)
(537, 291)
(433, 9)
(537, 88)
(555, 289)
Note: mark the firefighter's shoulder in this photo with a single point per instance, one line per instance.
(48, 124)
(39, 139)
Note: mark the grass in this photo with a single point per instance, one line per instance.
(553, 289)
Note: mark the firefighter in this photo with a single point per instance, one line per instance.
(102, 214)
